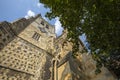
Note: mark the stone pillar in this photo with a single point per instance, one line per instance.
(55, 70)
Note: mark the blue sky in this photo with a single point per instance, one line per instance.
(11, 10)
(14, 9)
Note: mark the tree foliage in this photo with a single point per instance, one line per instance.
(98, 19)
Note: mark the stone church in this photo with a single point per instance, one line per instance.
(30, 50)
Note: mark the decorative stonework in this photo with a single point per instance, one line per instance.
(29, 50)
(80, 68)
(9, 74)
(22, 56)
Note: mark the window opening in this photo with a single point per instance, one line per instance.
(47, 26)
(36, 36)
(42, 23)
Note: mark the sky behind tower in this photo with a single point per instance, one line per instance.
(11, 10)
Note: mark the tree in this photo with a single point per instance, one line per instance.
(99, 20)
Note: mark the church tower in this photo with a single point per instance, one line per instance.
(29, 50)
(26, 49)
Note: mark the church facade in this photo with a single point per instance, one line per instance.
(30, 50)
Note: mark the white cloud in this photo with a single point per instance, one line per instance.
(30, 14)
(58, 27)
(39, 5)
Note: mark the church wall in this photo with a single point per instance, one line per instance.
(21, 56)
(27, 47)
(89, 66)
(82, 66)
(44, 41)
(64, 72)
(6, 34)
(10, 74)
(19, 25)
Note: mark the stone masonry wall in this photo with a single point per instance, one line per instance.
(81, 68)
(45, 40)
(22, 56)
(19, 25)
(6, 34)
(10, 74)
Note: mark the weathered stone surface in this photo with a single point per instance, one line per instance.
(9, 74)
(29, 50)
(23, 57)
(80, 68)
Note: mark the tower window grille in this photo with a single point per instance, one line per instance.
(36, 36)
